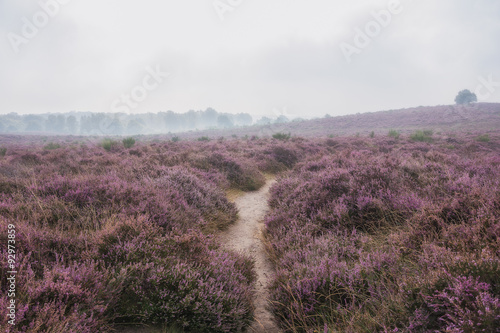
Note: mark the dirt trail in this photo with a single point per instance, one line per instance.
(244, 236)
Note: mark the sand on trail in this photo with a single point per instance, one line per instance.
(245, 237)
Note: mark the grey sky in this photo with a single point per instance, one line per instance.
(265, 58)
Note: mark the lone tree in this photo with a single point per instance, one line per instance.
(465, 97)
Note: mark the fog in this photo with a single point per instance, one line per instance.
(87, 123)
(291, 58)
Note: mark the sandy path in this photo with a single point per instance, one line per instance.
(244, 236)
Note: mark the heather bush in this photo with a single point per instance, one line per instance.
(202, 288)
(284, 155)
(241, 175)
(212, 298)
(27, 159)
(201, 195)
(463, 305)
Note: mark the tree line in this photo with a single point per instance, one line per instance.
(88, 123)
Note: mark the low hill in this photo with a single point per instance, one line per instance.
(480, 117)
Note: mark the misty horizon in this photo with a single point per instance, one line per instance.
(295, 59)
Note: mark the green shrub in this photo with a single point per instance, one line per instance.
(372, 134)
(176, 139)
(128, 142)
(428, 132)
(422, 136)
(109, 144)
(483, 138)
(3, 151)
(51, 146)
(393, 134)
(204, 138)
(281, 136)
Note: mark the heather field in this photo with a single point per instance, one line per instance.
(385, 232)
(108, 235)
(389, 236)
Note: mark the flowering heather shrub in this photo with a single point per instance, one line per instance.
(214, 298)
(274, 157)
(403, 240)
(285, 156)
(55, 293)
(465, 305)
(240, 175)
(177, 277)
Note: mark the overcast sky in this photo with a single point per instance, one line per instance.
(265, 57)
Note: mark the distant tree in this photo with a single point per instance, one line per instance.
(85, 124)
(224, 121)
(61, 123)
(134, 127)
(243, 119)
(33, 126)
(264, 121)
(106, 124)
(72, 125)
(191, 119)
(209, 117)
(115, 127)
(33, 123)
(172, 121)
(465, 97)
(55, 123)
(12, 129)
(281, 120)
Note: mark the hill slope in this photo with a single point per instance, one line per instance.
(477, 117)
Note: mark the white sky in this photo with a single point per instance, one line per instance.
(281, 55)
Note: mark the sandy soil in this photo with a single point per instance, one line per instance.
(245, 236)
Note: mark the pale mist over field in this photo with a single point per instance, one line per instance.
(291, 58)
